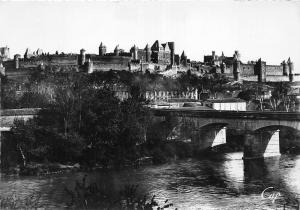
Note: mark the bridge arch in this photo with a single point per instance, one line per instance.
(263, 124)
(274, 127)
(209, 135)
(265, 141)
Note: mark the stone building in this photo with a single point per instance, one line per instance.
(158, 53)
(161, 53)
(228, 104)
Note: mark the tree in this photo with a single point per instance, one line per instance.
(100, 127)
(32, 100)
(135, 120)
(247, 95)
(9, 97)
(54, 133)
(279, 100)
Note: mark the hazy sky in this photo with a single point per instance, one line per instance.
(266, 29)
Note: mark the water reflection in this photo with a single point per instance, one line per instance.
(189, 184)
(234, 170)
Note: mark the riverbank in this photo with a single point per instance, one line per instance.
(40, 169)
(151, 155)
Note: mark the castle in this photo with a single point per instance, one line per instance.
(157, 58)
(251, 71)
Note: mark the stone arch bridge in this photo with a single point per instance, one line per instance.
(207, 128)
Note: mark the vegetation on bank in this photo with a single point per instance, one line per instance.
(83, 122)
(98, 129)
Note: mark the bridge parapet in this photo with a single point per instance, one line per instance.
(290, 116)
(236, 120)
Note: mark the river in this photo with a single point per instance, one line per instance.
(229, 183)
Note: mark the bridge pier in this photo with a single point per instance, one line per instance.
(261, 144)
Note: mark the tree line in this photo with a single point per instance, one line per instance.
(83, 124)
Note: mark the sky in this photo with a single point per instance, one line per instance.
(257, 29)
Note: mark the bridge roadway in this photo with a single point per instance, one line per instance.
(255, 115)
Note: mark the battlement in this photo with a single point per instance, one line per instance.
(109, 59)
(121, 54)
(69, 59)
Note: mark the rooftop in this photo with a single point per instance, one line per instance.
(225, 100)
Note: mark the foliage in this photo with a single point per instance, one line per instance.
(280, 101)
(83, 123)
(281, 89)
(36, 143)
(247, 95)
(9, 97)
(32, 100)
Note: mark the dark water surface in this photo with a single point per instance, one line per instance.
(188, 184)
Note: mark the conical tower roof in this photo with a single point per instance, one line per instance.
(155, 46)
(183, 54)
(147, 47)
(117, 48)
